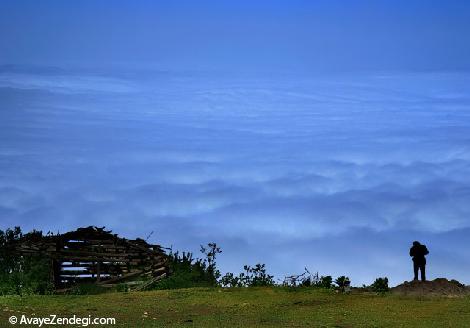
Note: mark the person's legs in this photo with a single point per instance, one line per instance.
(416, 268)
(423, 272)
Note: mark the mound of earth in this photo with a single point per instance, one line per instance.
(439, 286)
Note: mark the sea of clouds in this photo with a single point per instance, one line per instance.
(336, 173)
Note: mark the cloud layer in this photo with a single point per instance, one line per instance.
(338, 173)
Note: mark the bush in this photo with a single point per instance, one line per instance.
(122, 287)
(252, 277)
(306, 279)
(256, 276)
(188, 272)
(22, 275)
(325, 282)
(380, 285)
(230, 280)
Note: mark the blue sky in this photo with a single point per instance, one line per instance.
(325, 134)
(240, 35)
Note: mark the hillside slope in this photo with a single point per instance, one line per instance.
(257, 307)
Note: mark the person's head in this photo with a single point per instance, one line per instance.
(416, 243)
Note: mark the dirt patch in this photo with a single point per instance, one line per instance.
(438, 287)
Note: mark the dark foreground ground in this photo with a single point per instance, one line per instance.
(254, 307)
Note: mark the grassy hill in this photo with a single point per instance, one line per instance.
(248, 307)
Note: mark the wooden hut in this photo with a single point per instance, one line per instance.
(94, 255)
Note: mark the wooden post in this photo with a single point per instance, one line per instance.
(57, 266)
(98, 271)
(55, 273)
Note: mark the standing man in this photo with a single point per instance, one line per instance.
(418, 251)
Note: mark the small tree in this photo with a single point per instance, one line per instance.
(343, 283)
(211, 251)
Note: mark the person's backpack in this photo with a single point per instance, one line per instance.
(424, 250)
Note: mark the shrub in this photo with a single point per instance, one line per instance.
(380, 285)
(325, 282)
(22, 275)
(255, 276)
(230, 280)
(188, 272)
(306, 279)
(122, 287)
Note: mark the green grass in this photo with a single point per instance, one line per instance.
(247, 307)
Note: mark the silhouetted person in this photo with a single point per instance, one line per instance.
(418, 251)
